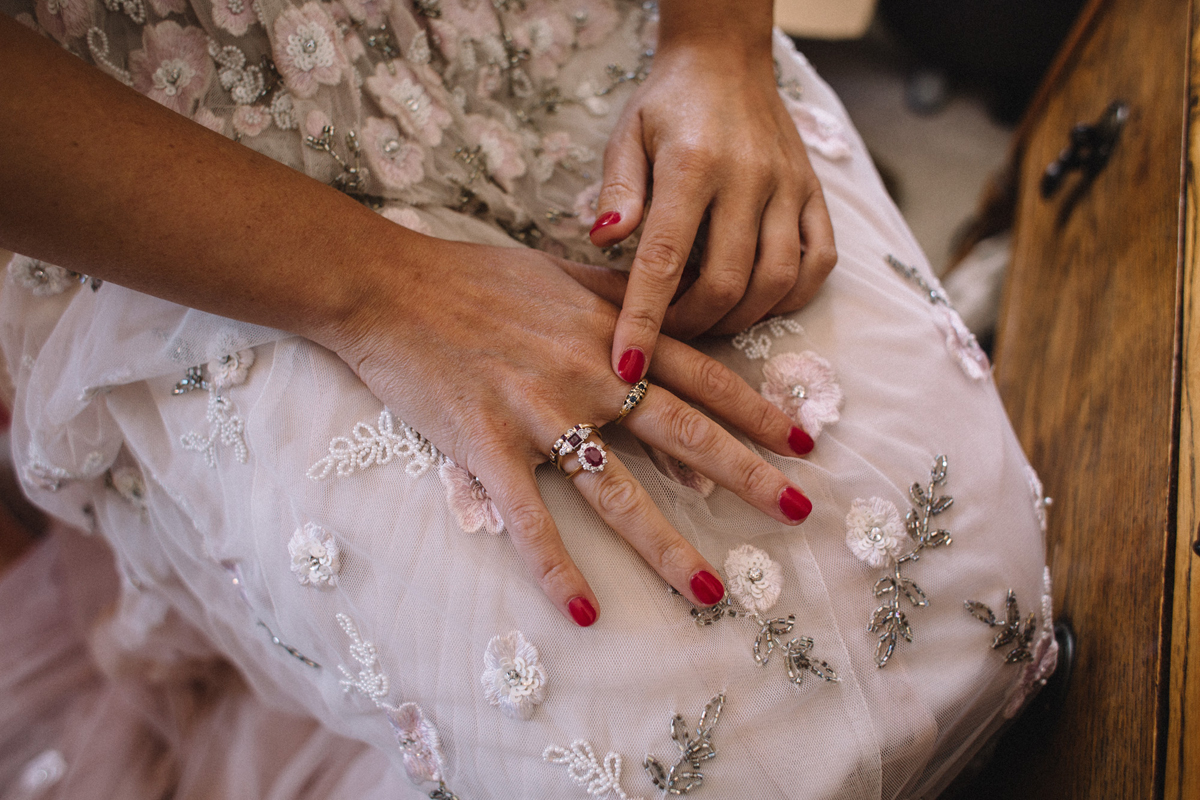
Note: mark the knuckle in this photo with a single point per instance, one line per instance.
(726, 292)
(555, 576)
(714, 381)
(662, 258)
(688, 427)
(779, 279)
(617, 495)
(675, 555)
(824, 257)
(641, 319)
(757, 477)
(531, 523)
(695, 158)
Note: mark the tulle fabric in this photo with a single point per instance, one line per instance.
(204, 573)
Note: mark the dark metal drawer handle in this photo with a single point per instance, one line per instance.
(1090, 147)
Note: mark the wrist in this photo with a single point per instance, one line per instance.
(728, 32)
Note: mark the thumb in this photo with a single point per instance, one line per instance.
(623, 194)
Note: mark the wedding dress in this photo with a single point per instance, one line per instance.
(307, 599)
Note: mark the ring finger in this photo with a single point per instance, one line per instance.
(627, 508)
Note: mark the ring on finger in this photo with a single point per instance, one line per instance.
(636, 393)
(591, 456)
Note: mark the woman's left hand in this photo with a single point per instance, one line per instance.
(709, 132)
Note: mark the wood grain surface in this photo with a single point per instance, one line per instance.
(1182, 750)
(1085, 362)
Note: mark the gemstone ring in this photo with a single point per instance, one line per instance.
(576, 440)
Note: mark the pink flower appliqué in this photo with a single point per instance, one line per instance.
(210, 120)
(235, 16)
(372, 12)
(469, 501)
(461, 23)
(251, 120)
(419, 742)
(593, 19)
(165, 7)
(804, 386)
(961, 343)
(402, 95)
(407, 218)
(681, 473)
(1045, 655)
(64, 19)
(173, 67)
(819, 129)
(306, 50)
(396, 162)
(545, 32)
(500, 148)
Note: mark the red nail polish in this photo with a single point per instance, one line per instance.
(794, 505)
(632, 365)
(800, 441)
(606, 219)
(582, 612)
(707, 587)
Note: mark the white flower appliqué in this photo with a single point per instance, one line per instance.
(513, 678)
(40, 278)
(316, 557)
(753, 578)
(600, 779)
(231, 370)
(874, 532)
(128, 482)
(804, 386)
(377, 447)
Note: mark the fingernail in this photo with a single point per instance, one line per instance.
(582, 612)
(707, 587)
(794, 505)
(606, 219)
(632, 365)
(800, 441)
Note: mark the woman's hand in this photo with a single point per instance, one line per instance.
(494, 353)
(708, 131)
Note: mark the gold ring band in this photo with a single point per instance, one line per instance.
(635, 396)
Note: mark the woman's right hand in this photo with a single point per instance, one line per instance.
(493, 353)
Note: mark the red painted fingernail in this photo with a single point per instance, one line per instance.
(632, 365)
(582, 612)
(606, 219)
(794, 505)
(800, 441)
(707, 587)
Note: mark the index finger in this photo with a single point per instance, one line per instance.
(671, 227)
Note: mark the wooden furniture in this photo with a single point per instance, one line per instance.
(1098, 362)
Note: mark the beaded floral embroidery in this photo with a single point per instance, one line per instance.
(315, 556)
(755, 582)
(224, 427)
(599, 778)
(889, 618)
(685, 775)
(128, 483)
(173, 67)
(1045, 654)
(1012, 630)
(417, 737)
(231, 370)
(960, 342)
(804, 386)
(755, 342)
(377, 446)
(513, 677)
(874, 532)
(306, 50)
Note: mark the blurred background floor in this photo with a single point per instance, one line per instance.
(935, 162)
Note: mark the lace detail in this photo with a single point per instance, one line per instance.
(755, 342)
(128, 482)
(599, 779)
(370, 681)
(97, 42)
(39, 472)
(873, 532)
(960, 342)
(473, 509)
(377, 446)
(39, 278)
(315, 556)
(1041, 503)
